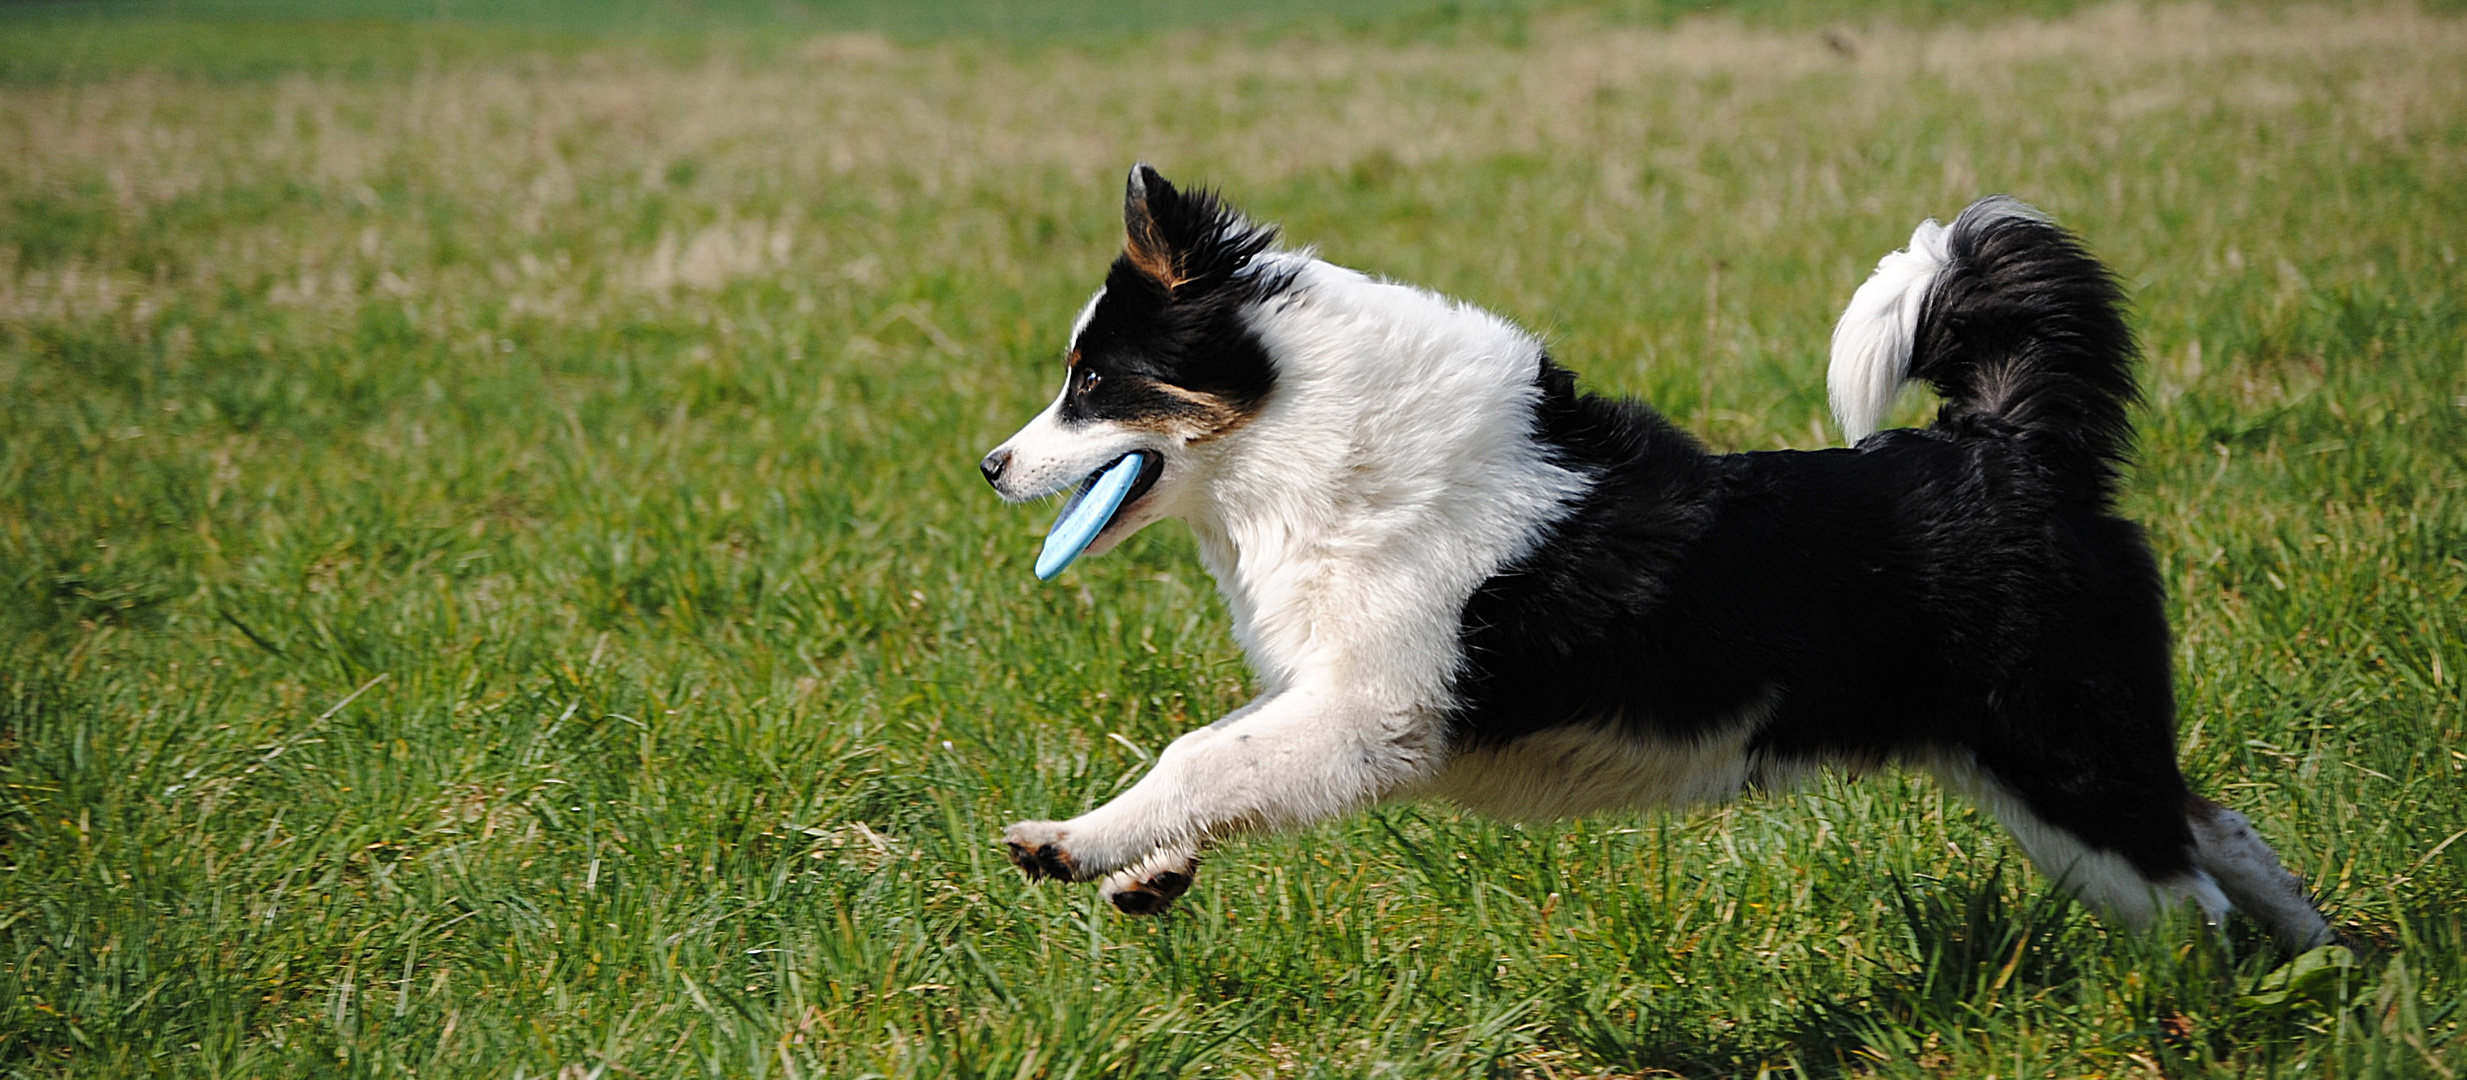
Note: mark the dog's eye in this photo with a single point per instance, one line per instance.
(1088, 381)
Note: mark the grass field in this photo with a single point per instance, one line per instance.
(497, 582)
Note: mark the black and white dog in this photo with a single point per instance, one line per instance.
(1458, 576)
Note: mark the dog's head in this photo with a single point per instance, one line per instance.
(1162, 359)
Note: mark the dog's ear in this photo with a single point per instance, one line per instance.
(1146, 196)
(1184, 243)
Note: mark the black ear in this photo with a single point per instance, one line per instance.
(1184, 242)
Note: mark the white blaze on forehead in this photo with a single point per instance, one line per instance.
(1080, 325)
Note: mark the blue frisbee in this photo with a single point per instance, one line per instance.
(1086, 514)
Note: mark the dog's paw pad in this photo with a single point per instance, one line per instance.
(1133, 892)
(1036, 848)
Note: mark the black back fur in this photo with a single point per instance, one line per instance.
(1956, 592)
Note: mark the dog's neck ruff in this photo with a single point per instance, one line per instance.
(1393, 470)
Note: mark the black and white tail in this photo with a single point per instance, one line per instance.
(2017, 326)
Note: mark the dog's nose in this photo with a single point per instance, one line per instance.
(993, 465)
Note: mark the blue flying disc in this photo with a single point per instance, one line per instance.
(1086, 514)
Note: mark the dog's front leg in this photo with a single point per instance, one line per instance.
(1291, 759)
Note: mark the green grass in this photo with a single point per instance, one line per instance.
(496, 580)
(80, 40)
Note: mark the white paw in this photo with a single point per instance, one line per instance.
(1152, 885)
(1041, 850)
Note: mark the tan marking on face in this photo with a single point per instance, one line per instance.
(1210, 417)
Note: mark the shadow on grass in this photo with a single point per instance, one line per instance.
(1983, 947)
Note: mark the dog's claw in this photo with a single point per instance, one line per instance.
(1150, 895)
(1043, 861)
(1037, 848)
(1154, 883)
(1042, 851)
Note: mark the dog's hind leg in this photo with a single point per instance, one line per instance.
(2226, 848)
(2128, 856)
(2124, 853)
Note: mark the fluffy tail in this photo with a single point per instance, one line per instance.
(2019, 329)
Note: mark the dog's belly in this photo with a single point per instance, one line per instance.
(1568, 771)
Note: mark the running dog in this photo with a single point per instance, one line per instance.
(1458, 576)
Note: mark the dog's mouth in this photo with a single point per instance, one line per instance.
(1097, 508)
(1151, 465)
